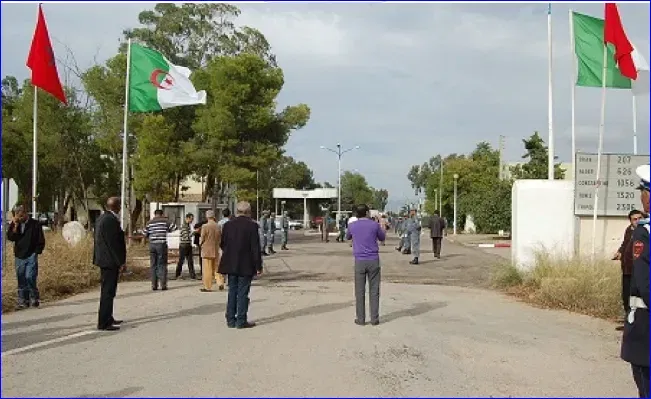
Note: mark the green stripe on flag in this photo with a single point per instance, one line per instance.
(589, 50)
(146, 66)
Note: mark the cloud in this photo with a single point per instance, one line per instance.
(403, 81)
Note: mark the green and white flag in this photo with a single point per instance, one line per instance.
(156, 84)
(589, 50)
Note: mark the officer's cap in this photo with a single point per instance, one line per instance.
(644, 173)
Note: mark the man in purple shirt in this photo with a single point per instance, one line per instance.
(366, 233)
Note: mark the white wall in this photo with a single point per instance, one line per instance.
(609, 234)
(542, 219)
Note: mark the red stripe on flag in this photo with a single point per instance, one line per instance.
(42, 63)
(614, 33)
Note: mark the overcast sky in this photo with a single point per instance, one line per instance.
(402, 81)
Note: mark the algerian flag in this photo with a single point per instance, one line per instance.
(155, 83)
(589, 50)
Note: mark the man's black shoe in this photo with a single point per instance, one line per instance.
(230, 325)
(117, 322)
(109, 328)
(414, 262)
(375, 323)
(360, 323)
(34, 304)
(154, 288)
(163, 289)
(246, 325)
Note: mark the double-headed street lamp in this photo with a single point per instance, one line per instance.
(339, 152)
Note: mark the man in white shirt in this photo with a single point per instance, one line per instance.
(350, 221)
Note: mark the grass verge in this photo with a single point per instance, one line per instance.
(578, 285)
(63, 271)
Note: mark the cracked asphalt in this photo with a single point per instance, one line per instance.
(441, 334)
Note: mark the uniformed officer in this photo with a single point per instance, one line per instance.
(635, 342)
(414, 231)
(342, 229)
(264, 227)
(284, 227)
(271, 232)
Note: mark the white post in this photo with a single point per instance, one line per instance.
(436, 198)
(257, 194)
(339, 153)
(441, 188)
(634, 125)
(573, 92)
(123, 190)
(454, 223)
(599, 151)
(35, 153)
(305, 215)
(550, 111)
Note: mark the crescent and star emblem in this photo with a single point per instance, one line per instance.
(165, 83)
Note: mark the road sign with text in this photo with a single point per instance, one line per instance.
(617, 184)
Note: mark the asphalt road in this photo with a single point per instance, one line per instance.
(440, 336)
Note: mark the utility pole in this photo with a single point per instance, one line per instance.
(501, 152)
(339, 152)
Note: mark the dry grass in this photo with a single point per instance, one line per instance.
(63, 271)
(577, 285)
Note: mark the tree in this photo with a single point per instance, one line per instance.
(536, 167)
(380, 199)
(355, 190)
(239, 130)
(284, 173)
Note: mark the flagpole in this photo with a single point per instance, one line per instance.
(573, 94)
(550, 111)
(35, 153)
(634, 125)
(123, 192)
(599, 151)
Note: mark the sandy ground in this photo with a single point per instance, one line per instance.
(441, 335)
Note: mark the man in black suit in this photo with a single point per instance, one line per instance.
(110, 254)
(241, 259)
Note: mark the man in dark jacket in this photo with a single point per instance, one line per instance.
(635, 341)
(29, 242)
(110, 254)
(436, 228)
(241, 259)
(625, 256)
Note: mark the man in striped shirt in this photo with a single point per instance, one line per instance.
(156, 231)
(185, 248)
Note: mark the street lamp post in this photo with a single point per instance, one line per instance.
(436, 198)
(339, 152)
(282, 207)
(454, 223)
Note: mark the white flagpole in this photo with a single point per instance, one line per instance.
(573, 93)
(599, 151)
(634, 125)
(123, 191)
(35, 154)
(550, 111)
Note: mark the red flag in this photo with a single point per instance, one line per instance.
(614, 33)
(41, 61)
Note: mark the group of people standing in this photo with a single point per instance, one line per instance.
(229, 249)
(268, 225)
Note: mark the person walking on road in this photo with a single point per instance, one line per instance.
(241, 260)
(226, 217)
(264, 231)
(366, 234)
(210, 238)
(29, 242)
(185, 248)
(110, 255)
(625, 256)
(271, 233)
(284, 229)
(156, 231)
(635, 340)
(436, 226)
(413, 230)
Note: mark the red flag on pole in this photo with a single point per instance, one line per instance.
(614, 33)
(41, 61)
